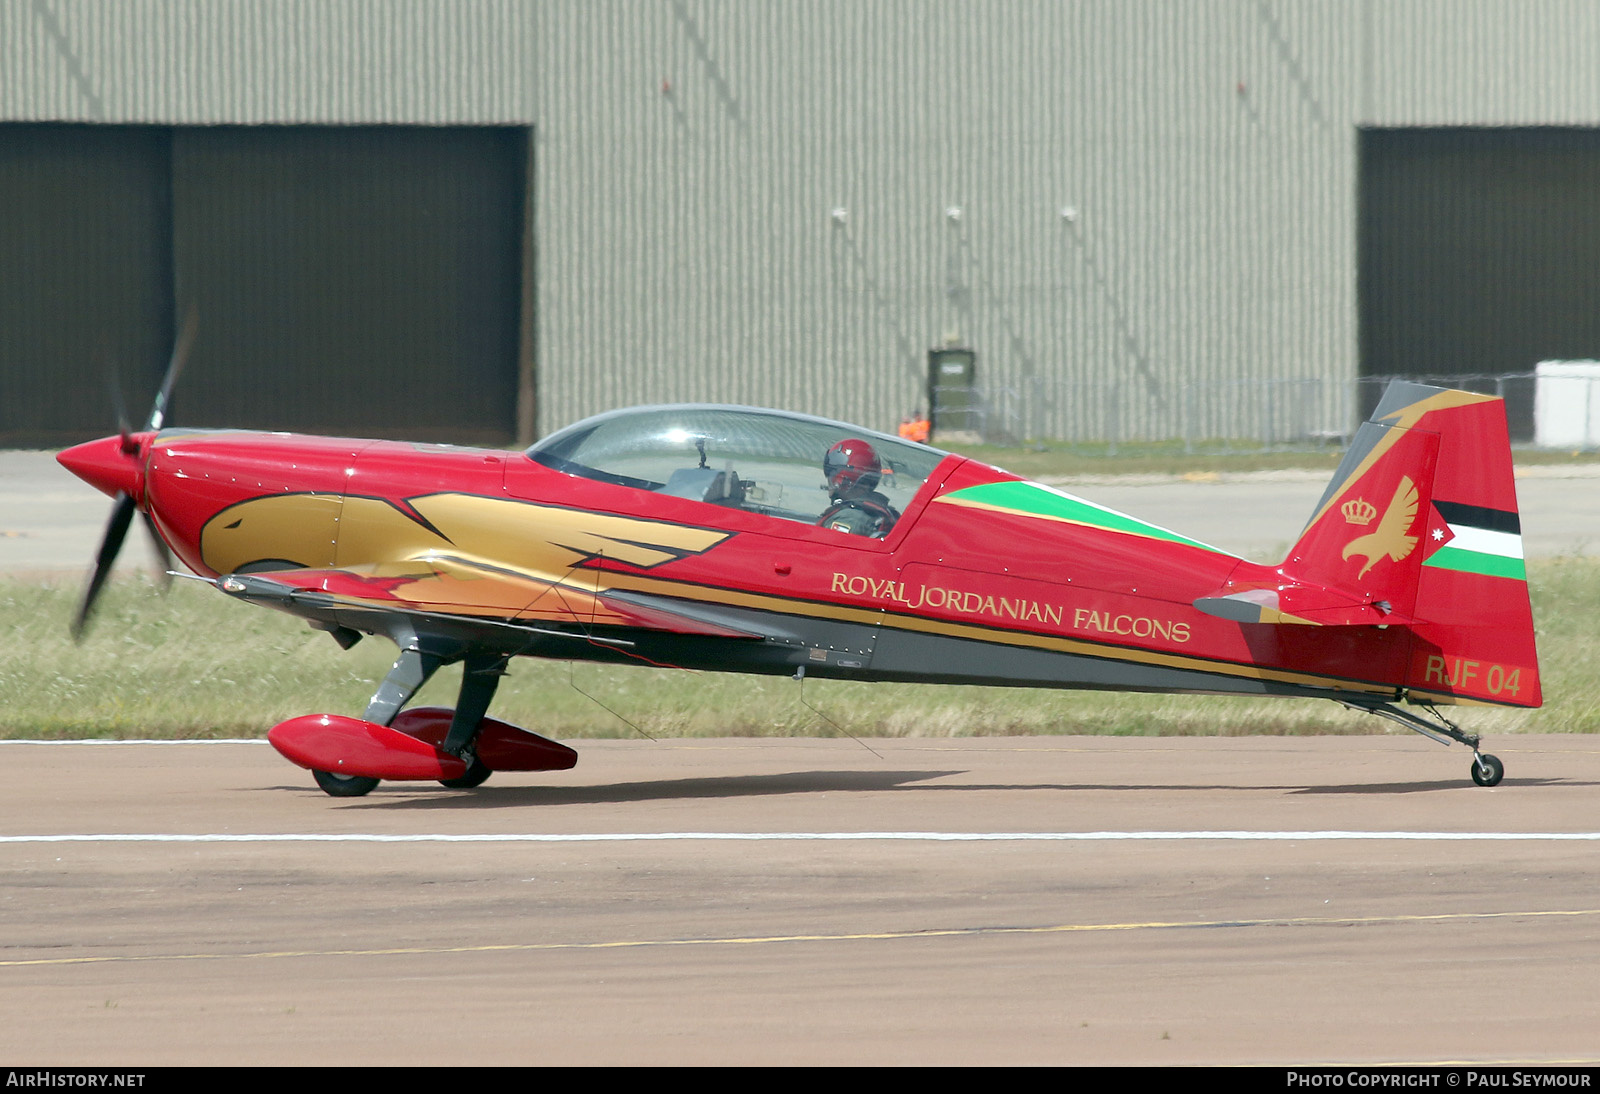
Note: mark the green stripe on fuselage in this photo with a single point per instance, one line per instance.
(1476, 562)
(1034, 500)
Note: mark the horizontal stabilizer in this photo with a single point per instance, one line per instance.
(1298, 604)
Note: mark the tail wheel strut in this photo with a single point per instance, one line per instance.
(1487, 770)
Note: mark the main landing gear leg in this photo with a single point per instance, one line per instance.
(480, 677)
(411, 670)
(1487, 770)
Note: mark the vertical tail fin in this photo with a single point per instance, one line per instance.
(1421, 522)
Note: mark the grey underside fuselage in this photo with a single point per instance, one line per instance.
(887, 652)
(781, 643)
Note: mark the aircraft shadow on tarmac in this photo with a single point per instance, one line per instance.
(727, 786)
(813, 782)
(1415, 787)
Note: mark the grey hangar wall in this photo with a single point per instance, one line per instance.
(1150, 198)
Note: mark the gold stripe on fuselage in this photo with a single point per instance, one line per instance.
(537, 549)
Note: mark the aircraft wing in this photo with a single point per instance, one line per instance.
(461, 592)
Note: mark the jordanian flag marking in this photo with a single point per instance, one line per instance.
(1477, 540)
(1037, 500)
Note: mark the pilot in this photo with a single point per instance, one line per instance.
(853, 470)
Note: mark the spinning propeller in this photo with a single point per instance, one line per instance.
(115, 466)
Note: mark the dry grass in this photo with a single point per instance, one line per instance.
(196, 664)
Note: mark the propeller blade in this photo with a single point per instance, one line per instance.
(118, 405)
(158, 546)
(123, 508)
(180, 357)
(116, 532)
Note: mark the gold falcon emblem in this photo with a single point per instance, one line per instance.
(1390, 540)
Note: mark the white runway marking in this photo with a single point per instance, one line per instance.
(150, 741)
(773, 837)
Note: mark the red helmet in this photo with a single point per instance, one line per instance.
(851, 465)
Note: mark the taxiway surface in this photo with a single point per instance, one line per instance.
(1048, 900)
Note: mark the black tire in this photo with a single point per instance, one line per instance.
(344, 786)
(1487, 770)
(477, 771)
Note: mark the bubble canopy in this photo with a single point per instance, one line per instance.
(761, 461)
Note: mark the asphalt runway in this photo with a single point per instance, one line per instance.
(1046, 900)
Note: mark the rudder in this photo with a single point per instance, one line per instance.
(1421, 522)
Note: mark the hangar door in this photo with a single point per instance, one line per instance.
(1479, 255)
(364, 280)
(85, 275)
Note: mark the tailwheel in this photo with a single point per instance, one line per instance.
(344, 786)
(1487, 770)
(476, 772)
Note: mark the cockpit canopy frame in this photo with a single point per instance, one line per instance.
(761, 461)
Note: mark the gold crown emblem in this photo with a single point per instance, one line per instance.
(1358, 511)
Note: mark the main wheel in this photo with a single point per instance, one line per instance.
(1487, 770)
(344, 786)
(476, 772)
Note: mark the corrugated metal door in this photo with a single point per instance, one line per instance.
(1479, 254)
(362, 279)
(84, 276)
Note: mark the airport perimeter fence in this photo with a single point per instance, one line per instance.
(1232, 416)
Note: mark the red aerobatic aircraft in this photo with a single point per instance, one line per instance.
(729, 538)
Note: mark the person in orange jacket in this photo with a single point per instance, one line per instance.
(915, 427)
